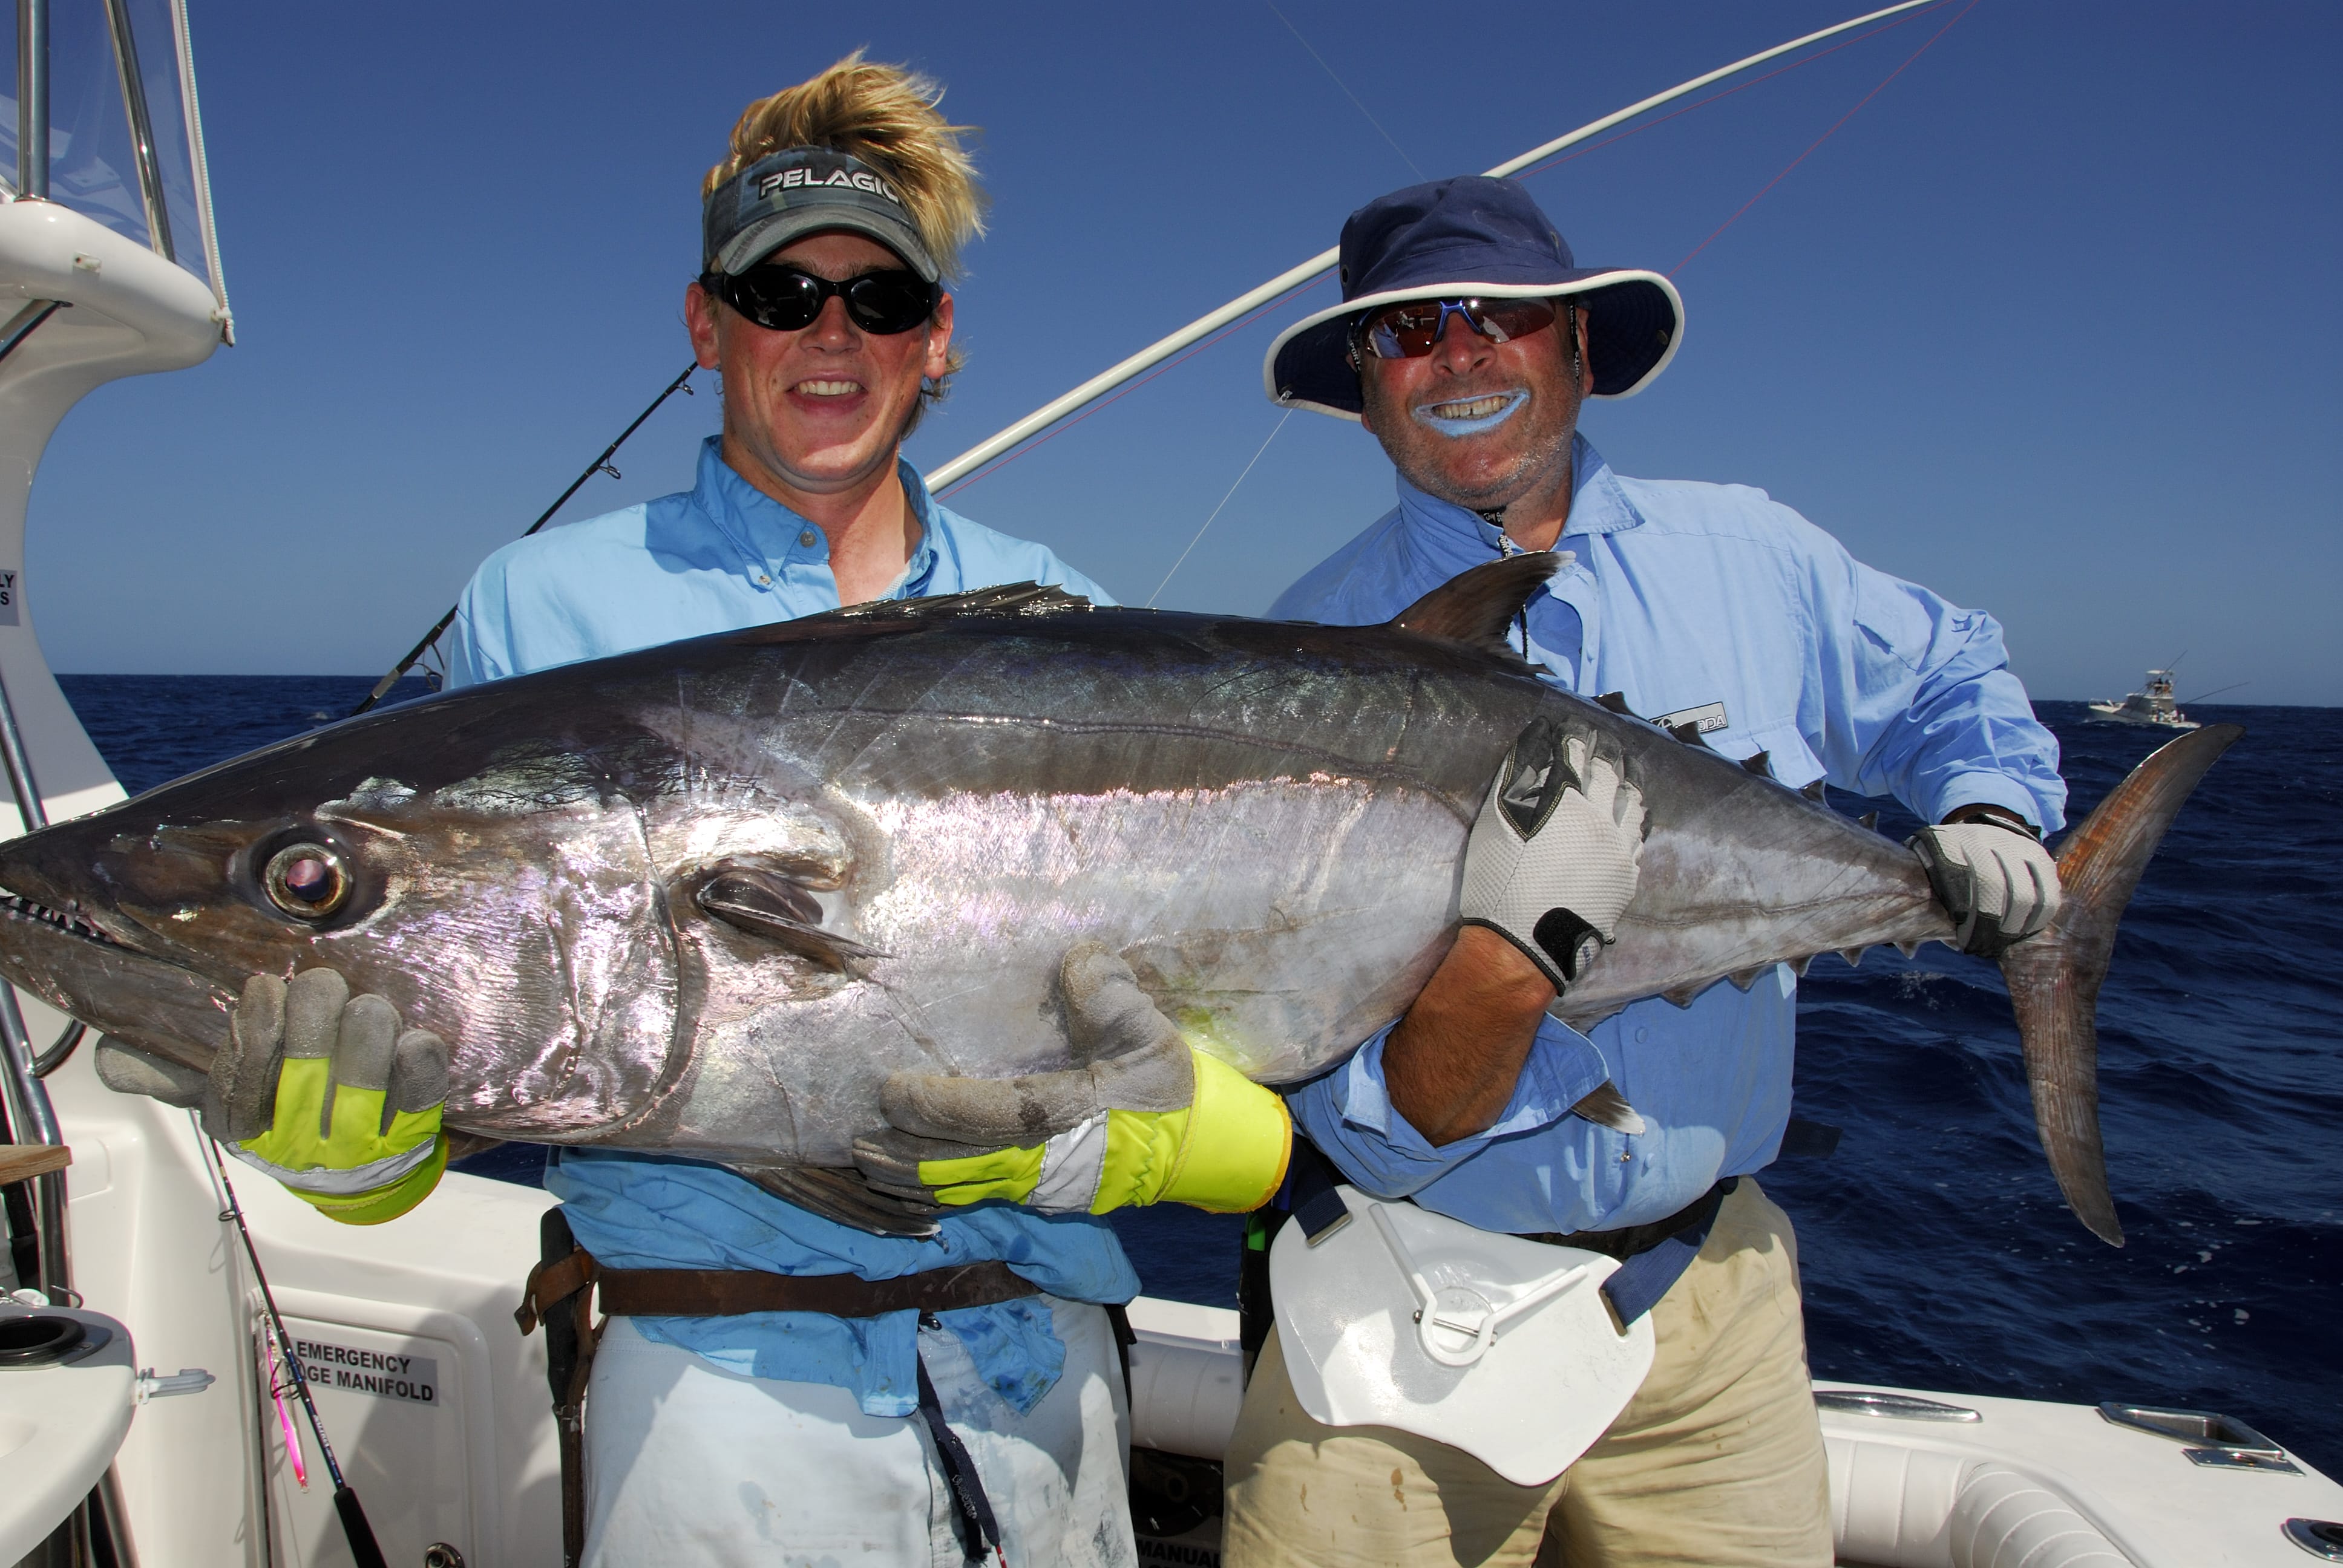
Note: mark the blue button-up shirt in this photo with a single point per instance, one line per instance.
(1682, 596)
(722, 556)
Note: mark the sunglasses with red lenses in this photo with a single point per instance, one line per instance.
(1412, 328)
(788, 299)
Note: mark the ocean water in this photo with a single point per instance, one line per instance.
(1936, 1250)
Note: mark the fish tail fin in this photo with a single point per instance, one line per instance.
(2055, 978)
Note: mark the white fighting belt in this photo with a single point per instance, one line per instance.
(1497, 1346)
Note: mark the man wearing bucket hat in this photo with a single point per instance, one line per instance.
(775, 1377)
(1466, 341)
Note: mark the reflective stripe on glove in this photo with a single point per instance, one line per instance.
(1553, 859)
(1997, 880)
(316, 1088)
(1147, 1119)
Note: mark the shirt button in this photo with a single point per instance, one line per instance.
(1642, 1035)
(763, 580)
(806, 539)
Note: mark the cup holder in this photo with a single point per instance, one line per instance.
(40, 1339)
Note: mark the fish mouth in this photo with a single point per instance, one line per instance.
(149, 1001)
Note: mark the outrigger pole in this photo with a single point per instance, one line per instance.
(1203, 326)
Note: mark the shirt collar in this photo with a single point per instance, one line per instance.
(1598, 504)
(768, 536)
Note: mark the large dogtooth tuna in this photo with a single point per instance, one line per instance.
(706, 897)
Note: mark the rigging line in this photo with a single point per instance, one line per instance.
(600, 465)
(957, 486)
(1713, 97)
(1346, 91)
(954, 487)
(1121, 372)
(1826, 135)
(1273, 429)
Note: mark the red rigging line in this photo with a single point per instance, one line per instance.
(1818, 141)
(1713, 97)
(957, 485)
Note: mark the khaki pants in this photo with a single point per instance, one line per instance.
(1717, 1460)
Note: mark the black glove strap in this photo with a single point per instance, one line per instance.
(1563, 936)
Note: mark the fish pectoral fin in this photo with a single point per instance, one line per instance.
(1478, 608)
(767, 905)
(845, 1196)
(1606, 1106)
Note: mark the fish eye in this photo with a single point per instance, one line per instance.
(308, 881)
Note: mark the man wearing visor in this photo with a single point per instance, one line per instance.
(1466, 342)
(792, 1380)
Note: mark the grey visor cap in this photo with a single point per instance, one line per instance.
(800, 191)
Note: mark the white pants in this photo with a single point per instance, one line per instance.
(687, 1463)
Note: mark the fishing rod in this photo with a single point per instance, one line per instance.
(355, 1528)
(598, 465)
(1294, 278)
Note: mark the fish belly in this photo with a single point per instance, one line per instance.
(1278, 923)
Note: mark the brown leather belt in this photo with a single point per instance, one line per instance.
(728, 1292)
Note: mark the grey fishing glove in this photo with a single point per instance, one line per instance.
(1997, 880)
(1146, 1118)
(1553, 859)
(317, 1088)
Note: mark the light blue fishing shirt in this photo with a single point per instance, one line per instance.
(1708, 604)
(719, 557)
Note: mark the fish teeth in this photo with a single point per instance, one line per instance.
(71, 924)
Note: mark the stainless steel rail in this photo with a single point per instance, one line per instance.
(31, 1118)
(142, 128)
(32, 98)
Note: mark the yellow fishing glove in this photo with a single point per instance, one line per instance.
(1147, 1119)
(324, 1092)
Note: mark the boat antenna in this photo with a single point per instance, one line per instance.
(363, 1548)
(600, 465)
(1204, 325)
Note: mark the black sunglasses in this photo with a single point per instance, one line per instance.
(788, 299)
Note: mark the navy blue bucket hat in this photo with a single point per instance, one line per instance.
(1466, 238)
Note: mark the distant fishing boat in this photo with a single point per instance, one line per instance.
(2156, 706)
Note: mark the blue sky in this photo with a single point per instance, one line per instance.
(2049, 324)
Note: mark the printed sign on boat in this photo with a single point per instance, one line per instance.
(386, 1374)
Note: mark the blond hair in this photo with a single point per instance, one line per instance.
(887, 117)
